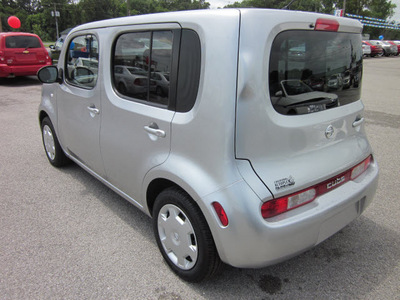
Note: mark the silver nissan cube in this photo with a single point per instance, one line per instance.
(240, 132)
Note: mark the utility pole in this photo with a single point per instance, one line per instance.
(344, 7)
(1, 26)
(128, 8)
(56, 14)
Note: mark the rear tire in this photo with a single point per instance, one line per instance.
(183, 236)
(54, 152)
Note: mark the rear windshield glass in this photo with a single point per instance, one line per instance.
(22, 41)
(311, 71)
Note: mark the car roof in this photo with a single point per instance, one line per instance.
(18, 33)
(205, 16)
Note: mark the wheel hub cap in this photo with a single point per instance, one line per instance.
(177, 236)
(48, 141)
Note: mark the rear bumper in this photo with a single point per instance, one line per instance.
(249, 241)
(12, 71)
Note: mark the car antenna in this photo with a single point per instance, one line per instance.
(288, 5)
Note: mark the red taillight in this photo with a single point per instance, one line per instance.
(360, 168)
(221, 213)
(136, 82)
(326, 25)
(281, 205)
(278, 206)
(49, 61)
(140, 81)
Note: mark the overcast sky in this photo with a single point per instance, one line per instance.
(222, 3)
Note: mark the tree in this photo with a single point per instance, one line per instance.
(94, 10)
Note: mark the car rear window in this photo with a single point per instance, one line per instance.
(22, 41)
(311, 71)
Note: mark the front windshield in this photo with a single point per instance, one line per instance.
(326, 63)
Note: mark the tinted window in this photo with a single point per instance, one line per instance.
(189, 70)
(82, 63)
(142, 65)
(22, 41)
(311, 71)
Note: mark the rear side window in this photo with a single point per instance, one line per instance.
(189, 70)
(311, 71)
(142, 64)
(22, 41)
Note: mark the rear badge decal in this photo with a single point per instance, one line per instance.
(284, 182)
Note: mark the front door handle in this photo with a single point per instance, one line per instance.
(154, 130)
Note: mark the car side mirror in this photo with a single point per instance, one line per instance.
(52, 47)
(82, 75)
(278, 94)
(48, 74)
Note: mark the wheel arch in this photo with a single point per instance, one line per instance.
(155, 187)
(42, 115)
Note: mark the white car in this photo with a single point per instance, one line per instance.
(132, 80)
(366, 50)
(227, 172)
(298, 98)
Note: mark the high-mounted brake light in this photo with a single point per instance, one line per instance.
(221, 213)
(278, 206)
(326, 25)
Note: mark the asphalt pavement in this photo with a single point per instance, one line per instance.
(64, 235)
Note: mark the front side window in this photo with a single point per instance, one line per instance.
(82, 61)
(311, 71)
(142, 64)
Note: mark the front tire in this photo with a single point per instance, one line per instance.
(183, 236)
(54, 152)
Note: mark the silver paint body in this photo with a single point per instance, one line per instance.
(231, 146)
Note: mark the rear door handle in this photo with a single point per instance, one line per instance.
(93, 110)
(154, 130)
(358, 122)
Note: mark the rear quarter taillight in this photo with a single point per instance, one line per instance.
(283, 204)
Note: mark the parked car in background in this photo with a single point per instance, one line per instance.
(132, 81)
(335, 82)
(388, 49)
(366, 49)
(162, 83)
(55, 49)
(397, 45)
(297, 98)
(376, 50)
(21, 54)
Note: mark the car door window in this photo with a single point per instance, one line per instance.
(142, 64)
(82, 61)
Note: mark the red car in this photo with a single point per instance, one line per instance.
(21, 54)
(376, 50)
(395, 43)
